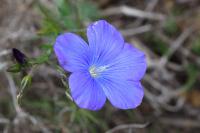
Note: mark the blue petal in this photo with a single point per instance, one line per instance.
(85, 91)
(122, 94)
(130, 64)
(105, 41)
(72, 52)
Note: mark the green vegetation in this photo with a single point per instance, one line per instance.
(170, 26)
(69, 17)
(157, 44)
(196, 46)
(193, 73)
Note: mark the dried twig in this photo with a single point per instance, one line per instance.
(153, 101)
(127, 126)
(175, 45)
(13, 93)
(151, 5)
(19, 111)
(3, 65)
(180, 122)
(138, 30)
(4, 121)
(4, 52)
(133, 12)
(166, 95)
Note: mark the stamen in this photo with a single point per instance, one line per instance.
(96, 71)
(92, 71)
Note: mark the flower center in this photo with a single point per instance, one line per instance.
(96, 71)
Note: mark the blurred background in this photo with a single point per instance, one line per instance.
(166, 30)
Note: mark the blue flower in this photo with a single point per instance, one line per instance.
(106, 68)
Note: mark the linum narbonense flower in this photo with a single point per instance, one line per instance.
(107, 68)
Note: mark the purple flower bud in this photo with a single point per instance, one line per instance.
(19, 56)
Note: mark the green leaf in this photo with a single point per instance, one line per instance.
(88, 10)
(90, 116)
(65, 8)
(51, 24)
(26, 82)
(39, 60)
(193, 73)
(170, 26)
(15, 68)
(156, 43)
(67, 14)
(46, 47)
(196, 46)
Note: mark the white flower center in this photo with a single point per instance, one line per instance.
(96, 71)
